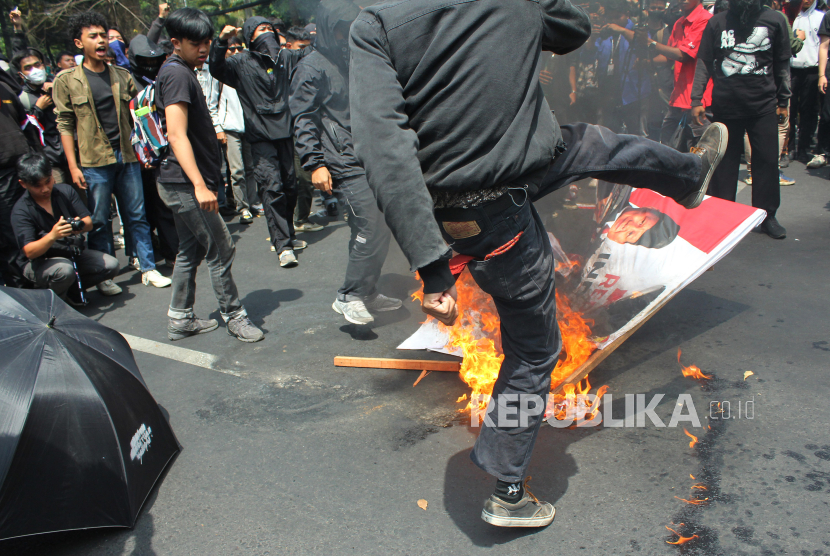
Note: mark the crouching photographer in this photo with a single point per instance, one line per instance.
(48, 223)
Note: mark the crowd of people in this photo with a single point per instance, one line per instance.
(275, 131)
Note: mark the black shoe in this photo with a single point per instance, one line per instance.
(784, 161)
(710, 149)
(773, 229)
(529, 511)
(178, 329)
(331, 209)
(803, 157)
(227, 212)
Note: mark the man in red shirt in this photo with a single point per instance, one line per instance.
(682, 50)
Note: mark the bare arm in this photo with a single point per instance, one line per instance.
(822, 63)
(176, 115)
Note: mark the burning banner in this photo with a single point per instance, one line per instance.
(621, 254)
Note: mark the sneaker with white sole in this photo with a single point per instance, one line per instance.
(710, 149)
(529, 511)
(135, 263)
(818, 161)
(155, 278)
(354, 311)
(178, 329)
(307, 226)
(244, 330)
(118, 241)
(108, 287)
(379, 303)
(288, 259)
(246, 217)
(299, 244)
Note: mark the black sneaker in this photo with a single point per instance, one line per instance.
(527, 512)
(710, 149)
(784, 161)
(178, 329)
(773, 229)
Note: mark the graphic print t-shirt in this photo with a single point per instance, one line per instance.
(742, 62)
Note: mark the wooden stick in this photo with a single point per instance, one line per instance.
(405, 364)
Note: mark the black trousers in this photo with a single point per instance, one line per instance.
(521, 279)
(10, 192)
(369, 240)
(159, 217)
(763, 138)
(274, 173)
(823, 146)
(804, 105)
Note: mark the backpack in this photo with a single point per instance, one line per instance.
(147, 137)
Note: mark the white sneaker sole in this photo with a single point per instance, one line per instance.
(340, 311)
(500, 521)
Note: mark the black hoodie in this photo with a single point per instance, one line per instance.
(319, 98)
(445, 96)
(261, 83)
(146, 58)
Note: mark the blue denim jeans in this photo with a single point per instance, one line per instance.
(124, 180)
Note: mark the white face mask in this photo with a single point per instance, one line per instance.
(36, 77)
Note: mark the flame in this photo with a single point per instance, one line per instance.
(699, 487)
(461, 399)
(692, 476)
(681, 539)
(692, 371)
(696, 502)
(477, 334)
(693, 437)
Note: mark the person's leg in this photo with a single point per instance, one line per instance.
(56, 274)
(10, 192)
(763, 135)
(252, 191)
(99, 187)
(369, 241)
(274, 200)
(285, 149)
(597, 152)
(724, 183)
(160, 217)
(748, 153)
(784, 126)
(521, 281)
(808, 111)
(236, 169)
(670, 123)
(129, 191)
(305, 192)
(797, 83)
(95, 267)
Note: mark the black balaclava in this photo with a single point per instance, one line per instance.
(266, 43)
(744, 10)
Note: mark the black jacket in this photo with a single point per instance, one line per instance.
(14, 142)
(319, 98)
(261, 82)
(52, 147)
(445, 95)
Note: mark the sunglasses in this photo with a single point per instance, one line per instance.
(236, 48)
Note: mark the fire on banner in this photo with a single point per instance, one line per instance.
(621, 254)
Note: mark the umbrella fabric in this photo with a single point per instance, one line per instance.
(82, 441)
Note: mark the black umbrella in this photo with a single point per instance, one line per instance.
(82, 441)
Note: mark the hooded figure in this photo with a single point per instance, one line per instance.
(266, 43)
(319, 103)
(146, 58)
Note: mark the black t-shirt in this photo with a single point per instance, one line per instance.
(101, 87)
(177, 82)
(30, 222)
(743, 62)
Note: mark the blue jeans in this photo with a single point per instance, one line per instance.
(125, 181)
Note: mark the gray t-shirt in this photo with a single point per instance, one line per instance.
(99, 84)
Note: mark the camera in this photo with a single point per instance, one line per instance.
(77, 224)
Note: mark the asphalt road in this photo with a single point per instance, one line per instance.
(295, 456)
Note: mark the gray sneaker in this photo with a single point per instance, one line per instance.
(379, 303)
(244, 330)
(710, 149)
(178, 329)
(108, 287)
(354, 311)
(527, 512)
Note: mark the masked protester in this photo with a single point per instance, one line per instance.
(319, 103)
(746, 52)
(260, 74)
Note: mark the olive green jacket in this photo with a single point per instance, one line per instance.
(76, 115)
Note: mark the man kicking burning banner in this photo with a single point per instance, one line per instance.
(457, 140)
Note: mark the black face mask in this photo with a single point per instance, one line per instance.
(266, 43)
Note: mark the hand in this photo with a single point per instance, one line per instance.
(61, 229)
(782, 111)
(800, 34)
(222, 137)
(321, 179)
(441, 306)
(545, 77)
(44, 102)
(17, 19)
(164, 10)
(641, 39)
(207, 199)
(698, 114)
(47, 86)
(572, 96)
(822, 84)
(229, 31)
(78, 177)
